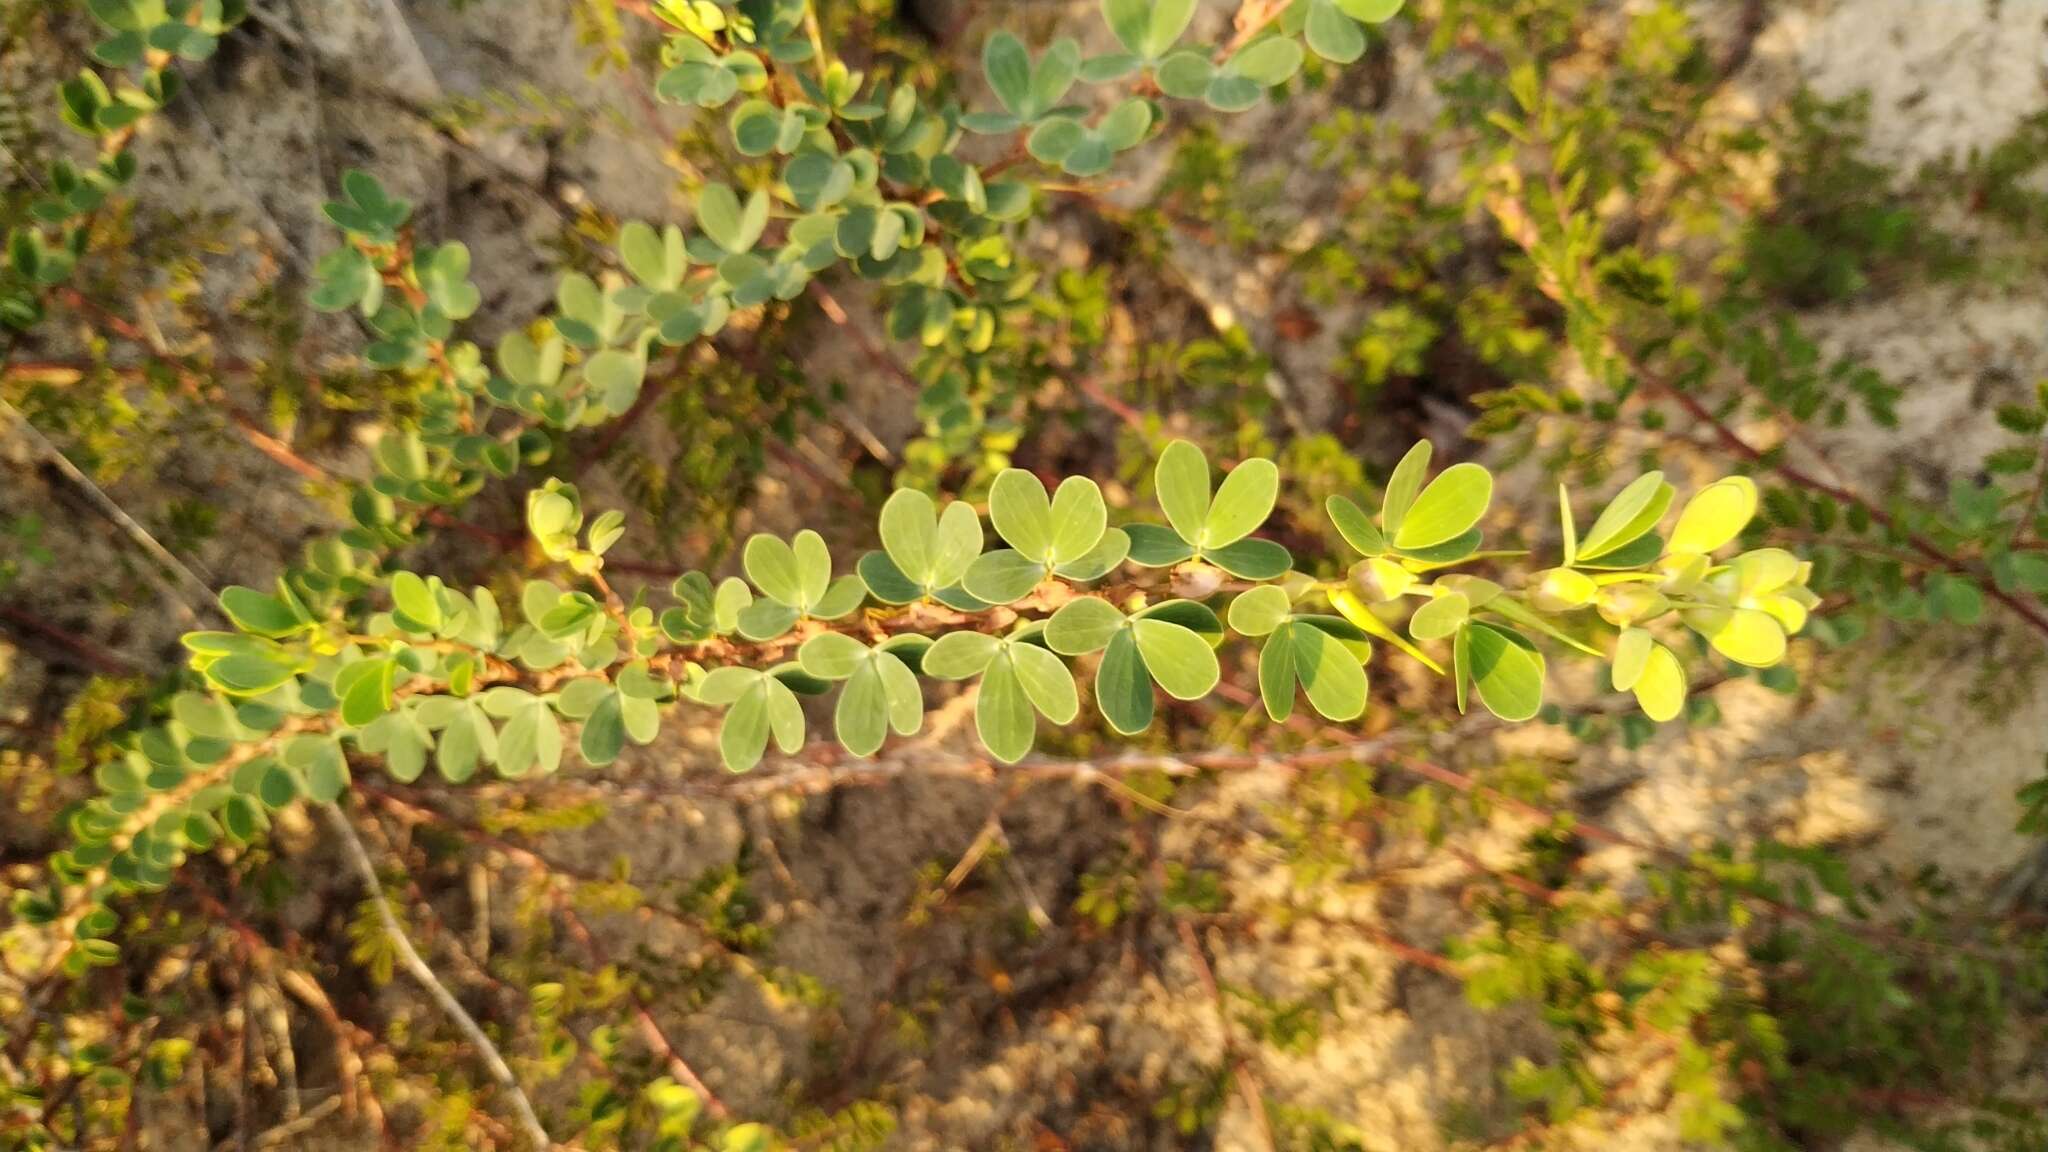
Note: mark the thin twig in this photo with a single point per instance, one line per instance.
(494, 1061)
(197, 594)
(651, 1031)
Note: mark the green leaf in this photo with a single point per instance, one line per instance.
(530, 738)
(1451, 551)
(767, 619)
(1148, 28)
(831, 655)
(1229, 92)
(1157, 546)
(1634, 511)
(731, 599)
(1447, 509)
(756, 126)
(958, 543)
(901, 690)
(1046, 681)
(1276, 673)
(1331, 34)
(785, 716)
(1021, 513)
(1105, 69)
(885, 581)
(1355, 527)
(773, 567)
(320, 765)
(1403, 486)
(1260, 611)
(959, 655)
(730, 226)
(1082, 626)
(1098, 561)
(722, 686)
(462, 743)
(1055, 73)
(814, 566)
(1506, 671)
(253, 611)
(1267, 62)
(1251, 559)
(654, 259)
(743, 736)
(1182, 481)
(1078, 517)
(1567, 526)
(1052, 141)
(910, 529)
(1185, 75)
(251, 673)
(615, 378)
(1003, 576)
(1009, 72)
(1125, 125)
(862, 715)
(1441, 617)
(1192, 615)
(415, 601)
(1123, 690)
(1370, 11)
(400, 740)
(1003, 714)
(1330, 673)
(1242, 503)
(364, 689)
(1180, 660)
(841, 598)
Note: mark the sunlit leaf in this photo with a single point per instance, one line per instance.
(1003, 576)
(1447, 508)
(1021, 513)
(1506, 672)
(1631, 654)
(1329, 672)
(1179, 659)
(1242, 503)
(1002, 713)
(1715, 515)
(959, 655)
(1260, 610)
(1082, 626)
(1441, 617)
(1078, 518)
(1046, 681)
(1355, 526)
(1633, 512)
(1182, 480)
(1660, 690)
(1403, 486)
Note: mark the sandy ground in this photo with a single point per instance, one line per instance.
(1076, 1030)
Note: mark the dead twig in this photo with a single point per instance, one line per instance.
(409, 958)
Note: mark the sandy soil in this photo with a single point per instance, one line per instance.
(1073, 1030)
